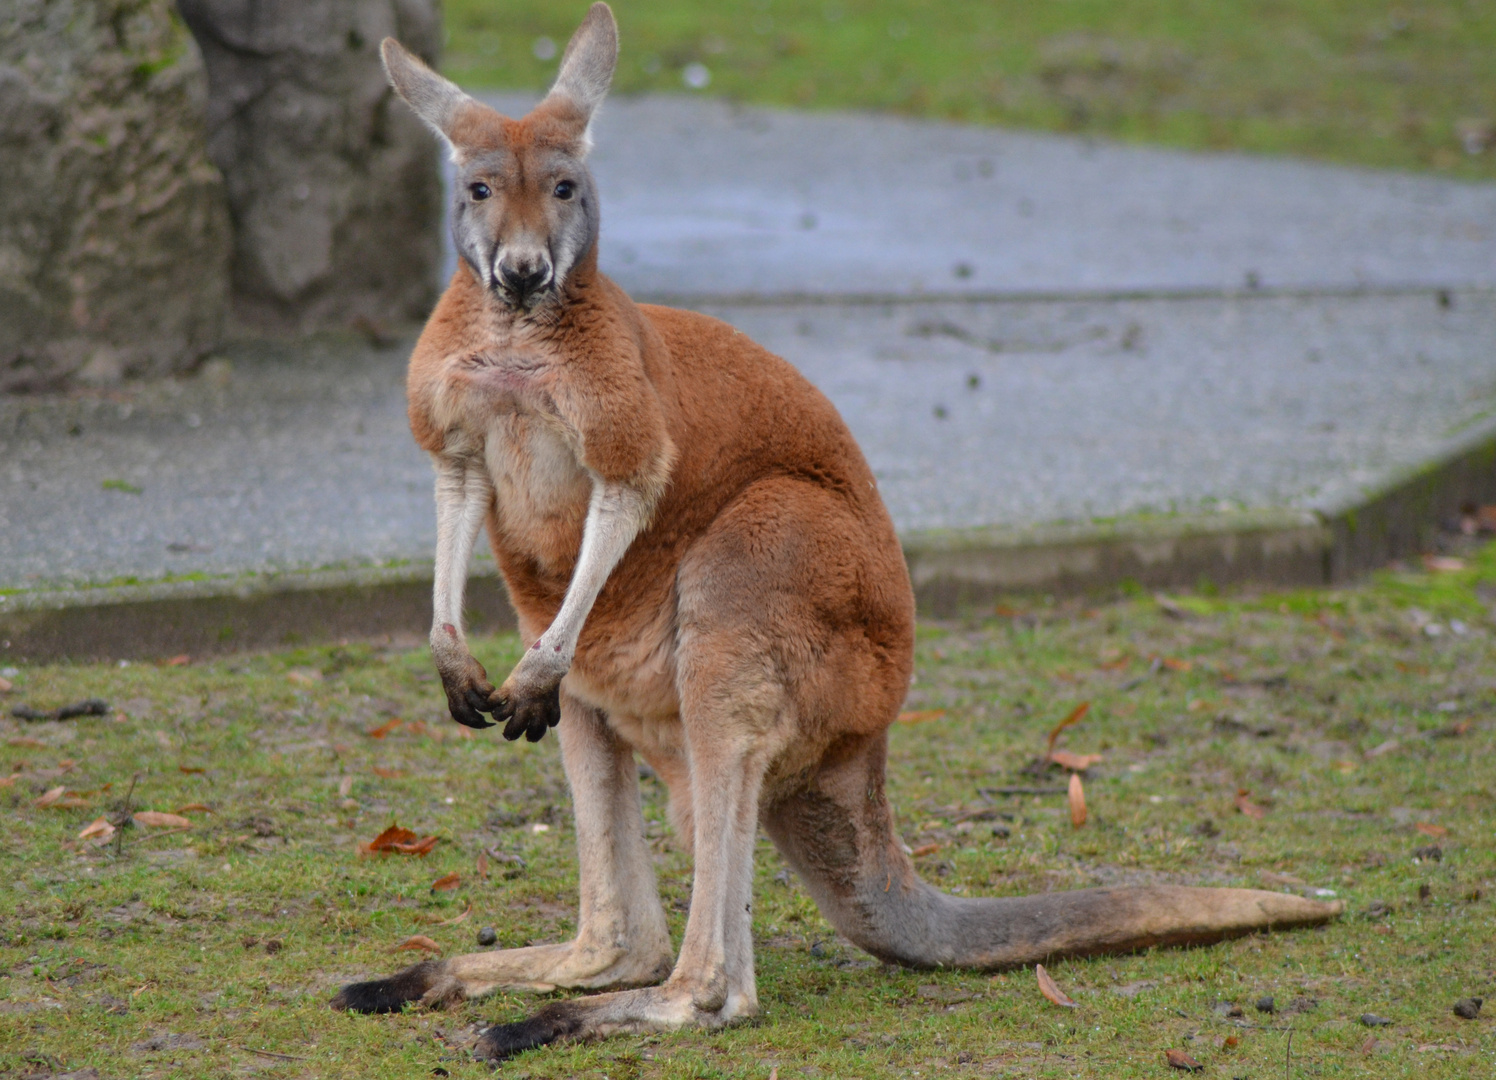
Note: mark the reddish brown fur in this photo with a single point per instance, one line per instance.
(751, 634)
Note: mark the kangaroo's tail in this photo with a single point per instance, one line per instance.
(838, 835)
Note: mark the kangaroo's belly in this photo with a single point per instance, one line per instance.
(541, 492)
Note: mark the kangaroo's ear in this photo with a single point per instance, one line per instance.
(588, 63)
(434, 99)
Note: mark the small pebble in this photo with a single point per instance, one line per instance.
(486, 936)
(1373, 1020)
(1266, 1005)
(1468, 1008)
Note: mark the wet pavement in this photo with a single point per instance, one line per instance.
(1020, 329)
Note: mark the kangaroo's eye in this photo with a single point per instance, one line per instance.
(479, 191)
(565, 189)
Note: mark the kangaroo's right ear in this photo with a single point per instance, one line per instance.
(588, 63)
(435, 100)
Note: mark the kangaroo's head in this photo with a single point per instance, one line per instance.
(525, 205)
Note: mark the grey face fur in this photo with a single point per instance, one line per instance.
(525, 205)
(522, 220)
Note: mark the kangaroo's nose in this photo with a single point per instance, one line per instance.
(524, 277)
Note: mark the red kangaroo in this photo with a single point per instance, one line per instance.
(704, 575)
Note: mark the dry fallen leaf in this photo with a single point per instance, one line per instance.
(1178, 1059)
(179, 661)
(1428, 828)
(457, 918)
(1246, 806)
(1077, 801)
(482, 867)
(50, 796)
(6, 686)
(161, 820)
(195, 808)
(1048, 988)
(190, 769)
(99, 827)
(925, 849)
(384, 729)
(418, 941)
(345, 787)
(304, 676)
(1075, 762)
(1442, 564)
(1074, 717)
(921, 716)
(446, 882)
(387, 774)
(6, 781)
(398, 841)
(1173, 663)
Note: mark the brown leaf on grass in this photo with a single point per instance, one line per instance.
(99, 827)
(447, 882)
(482, 865)
(387, 774)
(1247, 806)
(418, 941)
(190, 770)
(345, 787)
(398, 841)
(1074, 762)
(1048, 988)
(1442, 564)
(1178, 1059)
(178, 661)
(1077, 801)
(455, 919)
(50, 796)
(1074, 717)
(162, 820)
(25, 740)
(6, 781)
(195, 808)
(1428, 828)
(6, 686)
(921, 716)
(1173, 663)
(925, 849)
(384, 729)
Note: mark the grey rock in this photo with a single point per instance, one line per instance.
(114, 231)
(333, 184)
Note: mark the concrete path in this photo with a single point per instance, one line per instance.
(1022, 330)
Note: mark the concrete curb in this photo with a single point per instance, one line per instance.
(1346, 534)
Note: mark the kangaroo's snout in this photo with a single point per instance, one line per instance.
(522, 278)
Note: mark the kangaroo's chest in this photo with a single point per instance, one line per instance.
(499, 405)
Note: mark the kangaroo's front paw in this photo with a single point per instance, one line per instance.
(468, 691)
(527, 713)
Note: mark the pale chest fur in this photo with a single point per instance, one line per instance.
(497, 406)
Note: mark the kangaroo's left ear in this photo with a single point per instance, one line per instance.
(588, 63)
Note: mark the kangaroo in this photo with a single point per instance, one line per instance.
(705, 575)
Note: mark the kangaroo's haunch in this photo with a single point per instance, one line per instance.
(705, 576)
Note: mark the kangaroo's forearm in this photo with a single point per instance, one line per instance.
(463, 498)
(615, 516)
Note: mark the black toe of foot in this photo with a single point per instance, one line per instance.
(559, 1021)
(387, 995)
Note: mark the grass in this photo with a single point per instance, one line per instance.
(1351, 716)
(1400, 85)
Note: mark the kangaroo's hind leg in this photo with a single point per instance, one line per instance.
(622, 939)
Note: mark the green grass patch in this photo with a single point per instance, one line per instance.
(1363, 81)
(1352, 716)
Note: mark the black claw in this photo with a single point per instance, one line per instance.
(465, 714)
(388, 995)
(558, 1021)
